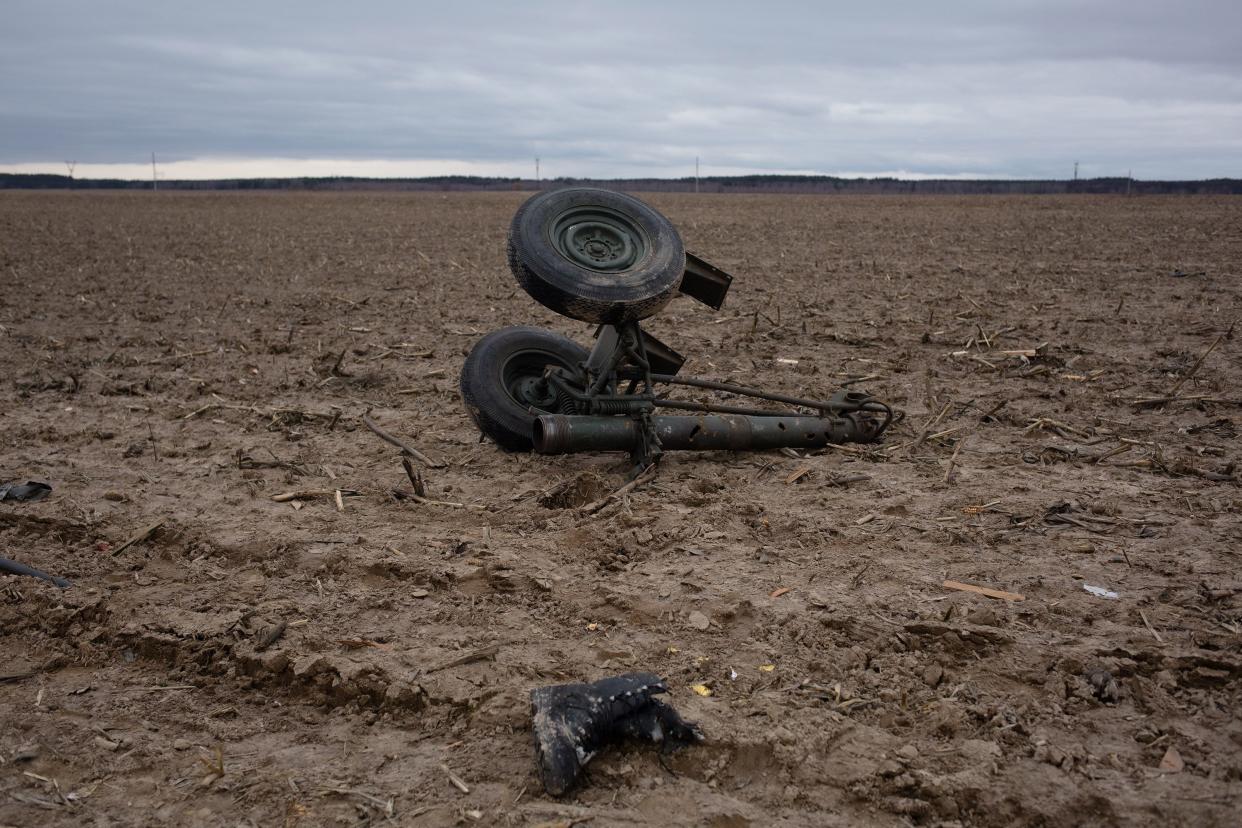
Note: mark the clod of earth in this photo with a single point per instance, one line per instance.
(1103, 685)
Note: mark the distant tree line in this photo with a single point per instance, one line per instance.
(713, 184)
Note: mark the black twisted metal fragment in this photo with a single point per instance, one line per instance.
(573, 721)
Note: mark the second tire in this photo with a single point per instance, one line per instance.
(500, 381)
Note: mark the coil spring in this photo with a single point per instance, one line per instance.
(610, 407)
(565, 404)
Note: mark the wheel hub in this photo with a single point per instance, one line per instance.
(523, 378)
(598, 239)
(533, 391)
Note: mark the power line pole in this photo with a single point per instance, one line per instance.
(537, 187)
(696, 174)
(1129, 181)
(155, 184)
(1075, 170)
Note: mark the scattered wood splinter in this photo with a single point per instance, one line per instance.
(797, 475)
(140, 537)
(307, 494)
(988, 591)
(455, 780)
(405, 447)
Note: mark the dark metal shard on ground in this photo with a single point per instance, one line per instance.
(28, 491)
(573, 721)
(14, 568)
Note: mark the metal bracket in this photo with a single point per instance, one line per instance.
(662, 358)
(647, 449)
(705, 282)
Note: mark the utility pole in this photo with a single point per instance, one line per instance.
(71, 165)
(1075, 170)
(155, 184)
(696, 174)
(537, 187)
(1129, 181)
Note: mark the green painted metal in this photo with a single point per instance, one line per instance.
(561, 434)
(597, 238)
(522, 375)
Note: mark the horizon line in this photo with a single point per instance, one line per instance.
(912, 178)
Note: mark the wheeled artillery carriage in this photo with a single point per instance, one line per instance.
(611, 260)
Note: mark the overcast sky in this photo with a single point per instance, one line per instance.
(625, 88)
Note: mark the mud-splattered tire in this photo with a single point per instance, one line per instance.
(498, 381)
(595, 255)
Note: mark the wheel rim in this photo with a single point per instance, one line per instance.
(522, 377)
(598, 238)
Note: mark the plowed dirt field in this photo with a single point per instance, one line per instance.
(170, 362)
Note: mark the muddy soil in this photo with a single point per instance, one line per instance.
(171, 362)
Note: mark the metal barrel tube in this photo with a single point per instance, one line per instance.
(566, 434)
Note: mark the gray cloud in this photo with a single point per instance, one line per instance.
(974, 88)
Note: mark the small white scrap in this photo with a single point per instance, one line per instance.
(786, 361)
(1101, 592)
(732, 674)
